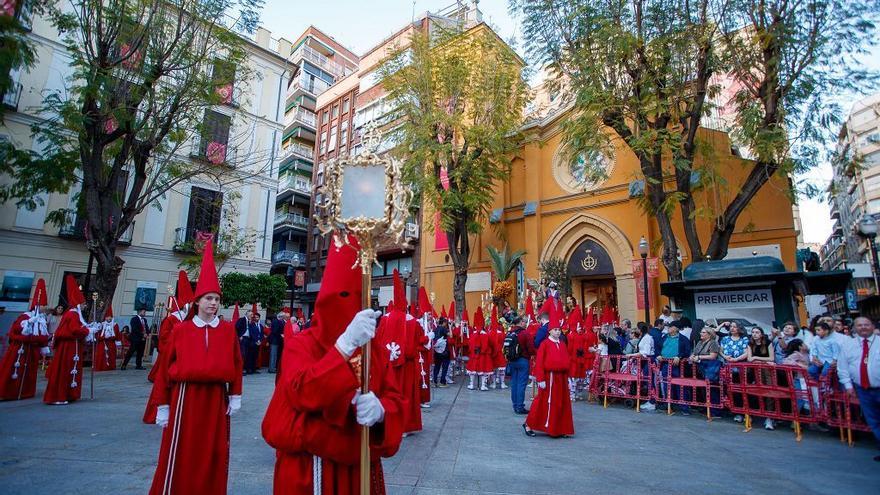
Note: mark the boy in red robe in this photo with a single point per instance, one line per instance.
(105, 348)
(64, 374)
(579, 350)
(315, 416)
(198, 392)
(481, 345)
(28, 339)
(551, 410)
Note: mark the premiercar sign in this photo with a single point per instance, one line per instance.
(756, 298)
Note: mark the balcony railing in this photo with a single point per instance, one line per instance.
(12, 96)
(214, 152)
(185, 237)
(296, 149)
(295, 182)
(324, 63)
(293, 219)
(292, 258)
(301, 115)
(311, 85)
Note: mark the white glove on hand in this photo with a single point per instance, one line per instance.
(542, 385)
(430, 335)
(369, 409)
(162, 416)
(361, 329)
(44, 351)
(234, 405)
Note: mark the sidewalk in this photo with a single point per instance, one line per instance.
(102, 447)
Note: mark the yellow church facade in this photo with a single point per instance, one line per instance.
(544, 209)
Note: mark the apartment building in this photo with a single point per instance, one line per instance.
(317, 63)
(242, 134)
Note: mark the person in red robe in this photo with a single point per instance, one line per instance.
(464, 350)
(398, 338)
(481, 345)
(178, 304)
(106, 338)
(425, 316)
(550, 412)
(579, 351)
(65, 371)
(315, 415)
(198, 393)
(28, 340)
(499, 362)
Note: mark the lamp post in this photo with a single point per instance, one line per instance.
(868, 229)
(365, 197)
(643, 252)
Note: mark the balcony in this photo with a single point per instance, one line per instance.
(307, 85)
(835, 211)
(75, 231)
(295, 149)
(300, 116)
(284, 220)
(286, 257)
(293, 185)
(213, 152)
(322, 62)
(12, 96)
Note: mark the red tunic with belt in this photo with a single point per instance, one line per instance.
(391, 336)
(161, 366)
(204, 369)
(414, 339)
(105, 348)
(498, 359)
(312, 423)
(481, 352)
(63, 384)
(23, 378)
(590, 340)
(551, 410)
(578, 351)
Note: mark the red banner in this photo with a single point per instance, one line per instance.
(653, 265)
(299, 278)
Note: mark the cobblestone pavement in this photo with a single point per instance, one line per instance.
(472, 443)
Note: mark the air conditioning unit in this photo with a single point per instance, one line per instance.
(412, 230)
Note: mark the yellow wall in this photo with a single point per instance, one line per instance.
(607, 215)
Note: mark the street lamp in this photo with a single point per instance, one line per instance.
(643, 252)
(868, 229)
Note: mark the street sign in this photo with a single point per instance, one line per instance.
(863, 291)
(851, 300)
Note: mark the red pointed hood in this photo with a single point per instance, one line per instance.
(530, 308)
(548, 307)
(452, 311)
(108, 311)
(39, 298)
(254, 308)
(208, 281)
(589, 319)
(399, 291)
(464, 317)
(339, 298)
(479, 319)
(493, 323)
(299, 314)
(443, 312)
(184, 289)
(575, 319)
(235, 315)
(390, 306)
(557, 318)
(424, 302)
(414, 311)
(74, 295)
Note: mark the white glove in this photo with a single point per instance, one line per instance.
(361, 329)
(440, 345)
(44, 351)
(369, 409)
(162, 416)
(234, 405)
(542, 385)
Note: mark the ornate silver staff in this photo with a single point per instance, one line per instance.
(94, 335)
(365, 197)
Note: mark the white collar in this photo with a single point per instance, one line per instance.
(201, 324)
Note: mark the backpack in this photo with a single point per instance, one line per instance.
(510, 348)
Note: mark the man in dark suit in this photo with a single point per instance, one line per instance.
(249, 335)
(276, 340)
(139, 330)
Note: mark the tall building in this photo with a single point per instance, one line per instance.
(246, 131)
(344, 111)
(854, 192)
(316, 64)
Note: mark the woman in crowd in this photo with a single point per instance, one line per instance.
(780, 342)
(198, 391)
(760, 350)
(551, 409)
(798, 354)
(733, 350)
(705, 356)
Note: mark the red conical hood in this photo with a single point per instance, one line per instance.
(339, 297)
(299, 314)
(443, 312)
(464, 317)
(530, 309)
(493, 322)
(39, 298)
(390, 306)
(424, 302)
(575, 319)
(74, 295)
(452, 311)
(399, 290)
(557, 318)
(184, 289)
(254, 308)
(548, 307)
(414, 311)
(235, 315)
(208, 281)
(108, 311)
(479, 319)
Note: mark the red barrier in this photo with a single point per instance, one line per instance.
(688, 378)
(768, 390)
(841, 410)
(623, 378)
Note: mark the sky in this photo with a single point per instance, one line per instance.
(361, 24)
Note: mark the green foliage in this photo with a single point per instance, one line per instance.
(230, 240)
(556, 270)
(17, 49)
(504, 262)
(268, 290)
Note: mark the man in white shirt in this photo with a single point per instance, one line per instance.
(858, 368)
(666, 316)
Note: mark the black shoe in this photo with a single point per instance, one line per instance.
(139, 368)
(521, 411)
(528, 432)
(122, 367)
(271, 371)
